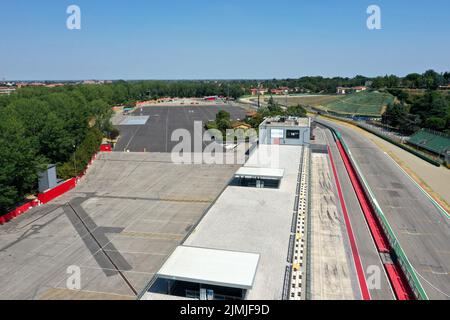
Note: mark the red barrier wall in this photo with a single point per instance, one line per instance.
(47, 196)
(396, 278)
(376, 230)
(57, 191)
(356, 258)
(17, 212)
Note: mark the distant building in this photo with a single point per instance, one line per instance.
(251, 114)
(54, 85)
(347, 90)
(359, 89)
(89, 82)
(280, 91)
(260, 91)
(7, 90)
(241, 125)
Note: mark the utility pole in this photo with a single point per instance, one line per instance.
(258, 100)
(286, 99)
(74, 160)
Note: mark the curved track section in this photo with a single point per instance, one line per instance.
(422, 231)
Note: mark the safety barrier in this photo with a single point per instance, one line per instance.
(399, 254)
(17, 211)
(384, 137)
(57, 191)
(105, 147)
(377, 234)
(402, 146)
(397, 281)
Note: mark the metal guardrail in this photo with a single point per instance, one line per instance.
(308, 273)
(400, 145)
(402, 259)
(388, 139)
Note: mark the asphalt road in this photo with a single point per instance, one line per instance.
(155, 135)
(366, 247)
(422, 229)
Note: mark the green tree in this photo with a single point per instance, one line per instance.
(273, 107)
(435, 123)
(296, 111)
(19, 161)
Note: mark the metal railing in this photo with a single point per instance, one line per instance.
(308, 273)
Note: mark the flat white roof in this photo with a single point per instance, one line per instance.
(256, 220)
(269, 173)
(134, 120)
(211, 266)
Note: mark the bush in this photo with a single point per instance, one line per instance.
(83, 154)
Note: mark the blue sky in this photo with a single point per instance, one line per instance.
(226, 39)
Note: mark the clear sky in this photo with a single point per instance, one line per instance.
(226, 39)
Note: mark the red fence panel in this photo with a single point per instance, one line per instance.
(57, 191)
(49, 194)
(105, 148)
(16, 212)
(399, 284)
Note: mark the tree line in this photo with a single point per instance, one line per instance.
(41, 126)
(65, 125)
(430, 80)
(409, 112)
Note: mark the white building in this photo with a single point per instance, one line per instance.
(285, 131)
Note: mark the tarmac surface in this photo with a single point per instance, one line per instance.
(116, 228)
(155, 135)
(333, 272)
(421, 228)
(366, 247)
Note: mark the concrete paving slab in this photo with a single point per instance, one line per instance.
(129, 212)
(333, 273)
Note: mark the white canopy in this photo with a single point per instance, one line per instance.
(261, 173)
(211, 266)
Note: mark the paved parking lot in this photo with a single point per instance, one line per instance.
(117, 226)
(155, 134)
